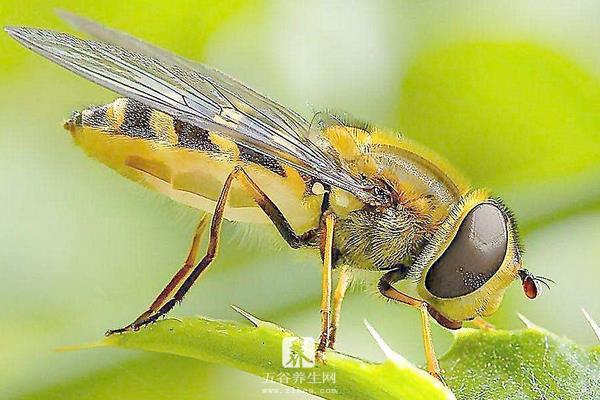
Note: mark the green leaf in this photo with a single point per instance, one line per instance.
(505, 113)
(525, 364)
(258, 350)
(163, 377)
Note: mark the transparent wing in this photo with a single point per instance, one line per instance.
(293, 123)
(193, 93)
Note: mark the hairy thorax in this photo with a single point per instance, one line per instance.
(381, 239)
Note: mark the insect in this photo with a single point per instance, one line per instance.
(364, 197)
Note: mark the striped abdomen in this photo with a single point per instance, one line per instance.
(188, 163)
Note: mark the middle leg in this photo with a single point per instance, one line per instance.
(327, 250)
(336, 308)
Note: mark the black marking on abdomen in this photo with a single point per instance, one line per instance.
(193, 137)
(94, 117)
(269, 162)
(136, 121)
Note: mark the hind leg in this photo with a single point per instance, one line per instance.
(175, 282)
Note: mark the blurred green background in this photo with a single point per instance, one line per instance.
(508, 91)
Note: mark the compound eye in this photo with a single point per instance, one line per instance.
(474, 255)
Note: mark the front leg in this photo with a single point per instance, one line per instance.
(386, 289)
(483, 324)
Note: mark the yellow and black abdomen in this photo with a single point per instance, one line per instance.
(187, 163)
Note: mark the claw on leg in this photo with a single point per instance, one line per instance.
(483, 324)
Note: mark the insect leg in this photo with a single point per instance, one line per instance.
(160, 307)
(175, 281)
(211, 252)
(338, 297)
(483, 324)
(268, 207)
(296, 241)
(386, 289)
(275, 215)
(327, 250)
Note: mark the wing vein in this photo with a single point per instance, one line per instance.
(195, 94)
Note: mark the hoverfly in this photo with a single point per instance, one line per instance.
(364, 197)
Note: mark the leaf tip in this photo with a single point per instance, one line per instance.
(83, 346)
(387, 350)
(592, 323)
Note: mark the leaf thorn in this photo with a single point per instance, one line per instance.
(254, 320)
(592, 323)
(526, 321)
(387, 350)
